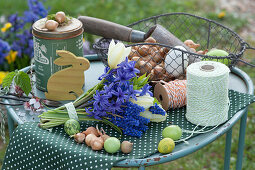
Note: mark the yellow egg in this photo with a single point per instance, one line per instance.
(166, 145)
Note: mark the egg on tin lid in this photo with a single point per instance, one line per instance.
(173, 61)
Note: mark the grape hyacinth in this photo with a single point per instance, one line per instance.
(131, 122)
(157, 110)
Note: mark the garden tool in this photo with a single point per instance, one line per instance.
(116, 31)
(109, 29)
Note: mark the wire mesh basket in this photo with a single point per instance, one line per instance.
(166, 62)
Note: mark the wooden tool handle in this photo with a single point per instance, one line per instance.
(163, 36)
(105, 28)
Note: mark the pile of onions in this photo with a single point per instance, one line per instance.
(95, 138)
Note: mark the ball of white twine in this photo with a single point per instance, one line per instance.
(207, 93)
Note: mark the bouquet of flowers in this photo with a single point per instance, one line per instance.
(121, 99)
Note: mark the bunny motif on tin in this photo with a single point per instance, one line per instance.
(63, 84)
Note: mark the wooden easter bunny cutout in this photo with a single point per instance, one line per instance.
(62, 83)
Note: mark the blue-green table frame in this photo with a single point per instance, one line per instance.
(239, 81)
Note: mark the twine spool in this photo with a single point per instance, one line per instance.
(207, 93)
(171, 94)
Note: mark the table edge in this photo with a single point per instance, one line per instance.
(172, 156)
(213, 136)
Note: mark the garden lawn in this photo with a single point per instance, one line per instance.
(128, 11)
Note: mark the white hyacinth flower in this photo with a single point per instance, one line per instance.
(147, 101)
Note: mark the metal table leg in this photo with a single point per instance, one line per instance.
(241, 140)
(227, 149)
(10, 124)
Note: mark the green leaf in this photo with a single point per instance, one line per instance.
(23, 81)
(135, 87)
(141, 77)
(51, 17)
(143, 81)
(135, 81)
(155, 101)
(100, 86)
(7, 81)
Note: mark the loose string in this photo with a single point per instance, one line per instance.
(200, 131)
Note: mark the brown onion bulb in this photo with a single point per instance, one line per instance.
(150, 40)
(145, 67)
(89, 138)
(91, 130)
(60, 17)
(156, 56)
(163, 51)
(191, 44)
(126, 147)
(152, 50)
(79, 137)
(143, 50)
(51, 25)
(132, 54)
(159, 70)
(97, 144)
(104, 137)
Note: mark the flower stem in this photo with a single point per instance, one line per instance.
(112, 125)
(115, 115)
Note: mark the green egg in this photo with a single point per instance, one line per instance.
(72, 127)
(173, 131)
(218, 53)
(112, 145)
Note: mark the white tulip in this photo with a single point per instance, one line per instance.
(117, 53)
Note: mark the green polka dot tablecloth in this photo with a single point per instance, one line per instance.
(34, 148)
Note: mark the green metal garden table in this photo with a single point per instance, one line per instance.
(239, 81)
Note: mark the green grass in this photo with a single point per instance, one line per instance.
(128, 11)
(3, 146)
(120, 11)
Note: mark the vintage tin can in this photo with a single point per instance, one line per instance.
(67, 37)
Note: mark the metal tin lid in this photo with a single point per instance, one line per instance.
(72, 28)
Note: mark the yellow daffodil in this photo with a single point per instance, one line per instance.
(6, 27)
(2, 75)
(221, 15)
(11, 57)
(117, 53)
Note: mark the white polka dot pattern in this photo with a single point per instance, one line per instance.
(34, 148)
